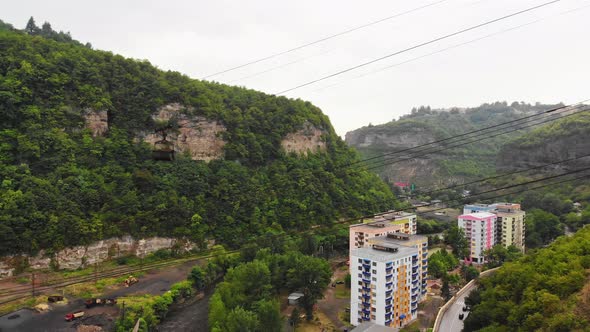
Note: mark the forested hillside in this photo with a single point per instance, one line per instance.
(425, 125)
(544, 291)
(61, 185)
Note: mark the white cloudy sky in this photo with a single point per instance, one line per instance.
(546, 61)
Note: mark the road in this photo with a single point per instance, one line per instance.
(153, 282)
(450, 321)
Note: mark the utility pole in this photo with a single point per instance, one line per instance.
(95, 272)
(123, 311)
(33, 283)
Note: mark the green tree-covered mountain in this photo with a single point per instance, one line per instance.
(425, 125)
(64, 185)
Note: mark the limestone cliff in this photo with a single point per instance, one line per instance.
(81, 256)
(306, 140)
(198, 136)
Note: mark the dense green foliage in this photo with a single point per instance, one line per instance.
(440, 262)
(541, 291)
(152, 309)
(247, 298)
(62, 187)
(577, 125)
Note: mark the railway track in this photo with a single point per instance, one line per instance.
(18, 293)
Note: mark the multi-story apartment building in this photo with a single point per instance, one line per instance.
(359, 235)
(407, 221)
(480, 230)
(385, 285)
(387, 223)
(511, 225)
(408, 240)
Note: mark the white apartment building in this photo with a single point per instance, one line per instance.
(385, 285)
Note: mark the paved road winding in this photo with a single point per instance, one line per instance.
(450, 321)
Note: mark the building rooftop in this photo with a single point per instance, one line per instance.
(372, 327)
(399, 238)
(477, 215)
(383, 256)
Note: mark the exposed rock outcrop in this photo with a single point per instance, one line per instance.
(198, 136)
(81, 256)
(304, 141)
(96, 121)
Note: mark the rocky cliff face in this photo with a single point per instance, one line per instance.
(304, 141)
(380, 140)
(516, 156)
(198, 136)
(81, 256)
(96, 121)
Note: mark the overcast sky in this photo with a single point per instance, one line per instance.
(546, 61)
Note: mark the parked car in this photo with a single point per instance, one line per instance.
(74, 315)
(464, 308)
(461, 316)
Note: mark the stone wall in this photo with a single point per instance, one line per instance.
(304, 141)
(81, 256)
(198, 136)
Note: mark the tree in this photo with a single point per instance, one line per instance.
(241, 320)
(445, 290)
(269, 315)
(32, 28)
(470, 273)
(455, 237)
(197, 277)
(311, 276)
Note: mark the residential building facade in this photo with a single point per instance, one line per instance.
(414, 241)
(480, 230)
(511, 225)
(385, 285)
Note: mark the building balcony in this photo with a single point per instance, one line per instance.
(366, 289)
(366, 311)
(389, 284)
(366, 265)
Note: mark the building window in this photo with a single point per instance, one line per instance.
(374, 264)
(374, 279)
(374, 271)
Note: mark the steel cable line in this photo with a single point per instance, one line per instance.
(323, 39)
(428, 193)
(380, 214)
(462, 142)
(417, 46)
(329, 86)
(469, 132)
(478, 194)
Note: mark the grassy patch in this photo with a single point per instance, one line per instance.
(23, 280)
(414, 327)
(342, 292)
(28, 302)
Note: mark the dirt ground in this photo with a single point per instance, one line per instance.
(332, 306)
(188, 317)
(153, 282)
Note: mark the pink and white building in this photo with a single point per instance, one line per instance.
(480, 231)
